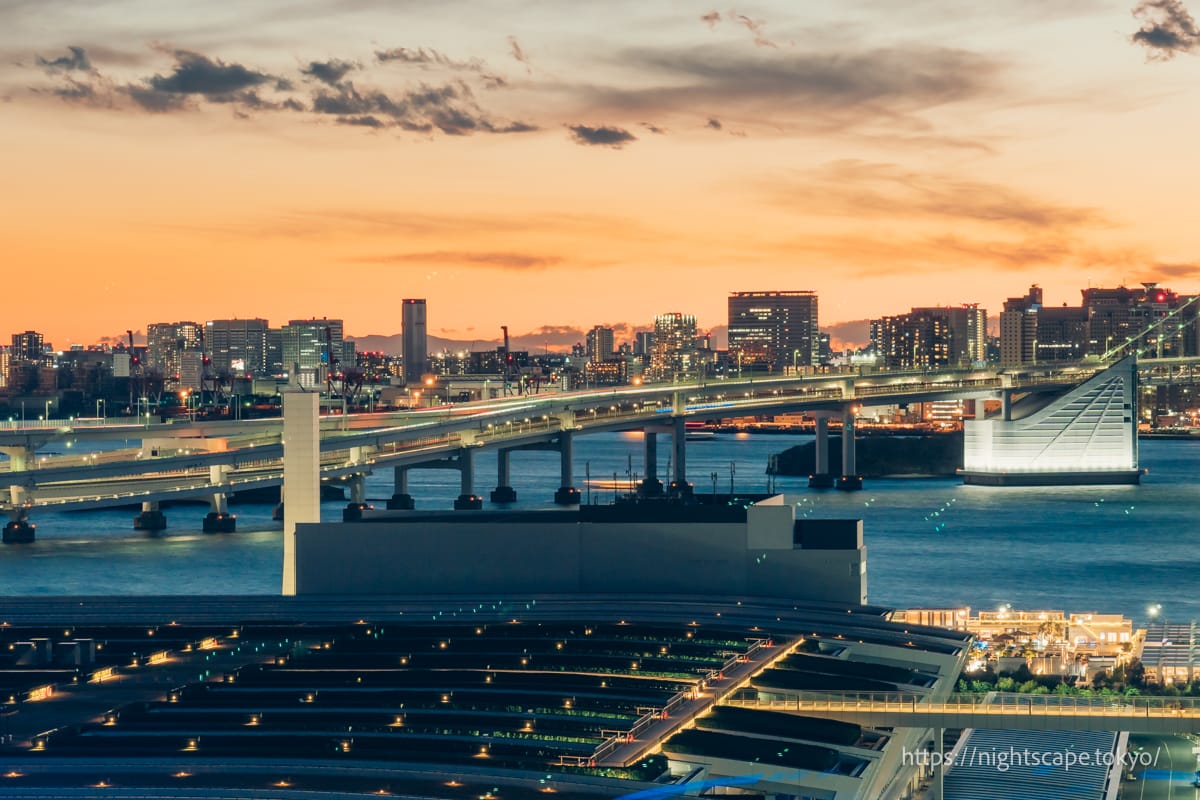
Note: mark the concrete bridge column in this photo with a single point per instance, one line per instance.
(821, 479)
(19, 529)
(301, 473)
(151, 519)
(218, 519)
(680, 486)
(277, 512)
(650, 486)
(467, 499)
(850, 481)
(1006, 405)
(358, 498)
(503, 493)
(20, 458)
(567, 494)
(400, 500)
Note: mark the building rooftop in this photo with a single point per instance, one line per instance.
(455, 697)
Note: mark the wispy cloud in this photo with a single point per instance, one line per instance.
(500, 260)
(853, 188)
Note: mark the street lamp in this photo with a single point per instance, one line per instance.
(101, 404)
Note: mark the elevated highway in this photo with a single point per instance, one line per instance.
(183, 459)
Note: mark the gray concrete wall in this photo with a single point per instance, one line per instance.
(560, 556)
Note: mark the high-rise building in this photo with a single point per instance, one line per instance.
(165, 344)
(674, 353)
(1062, 333)
(414, 337)
(917, 340)
(5, 360)
(1154, 321)
(27, 346)
(237, 346)
(774, 330)
(275, 351)
(968, 331)
(1019, 328)
(643, 343)
(599, 344)
(314, 346)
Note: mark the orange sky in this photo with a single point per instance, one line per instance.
(597, 164)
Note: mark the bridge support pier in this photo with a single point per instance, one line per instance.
(400, 500)
(151, 519)
(821, 479)
(503, 493)
(850, 481)
(567, 494)
(679, 486)
(467, 499)
(1006, 405)
(20, 458)
(19, 529)
(219, 520)
(353, 512)
(650, 486)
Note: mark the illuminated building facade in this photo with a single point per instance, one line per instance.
(1087, 436)
(774, 330)
(237, 346)
(674, 352)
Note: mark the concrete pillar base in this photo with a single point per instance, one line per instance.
(354, 511)
(650, 487)
(150, 521)
(468, 502)
(277, 513)
(822, 482)
(504, 494)
(850, 483)
(677, 489)
(567, 496)
(215, 522)
(401, 502)
(19, 532)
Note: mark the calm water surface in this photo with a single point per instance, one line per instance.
(931, 542)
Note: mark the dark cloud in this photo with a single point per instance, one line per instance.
(1167, 29)
(196, 74)
(76, 60)
(713, 123)
(652, 128)
(75, 91)
(329, 72)
(150, 99)
(517, 261)
(363, 121)
(449, 108)
(711, 18)
(603, 135)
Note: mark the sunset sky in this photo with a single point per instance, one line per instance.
(564, 164)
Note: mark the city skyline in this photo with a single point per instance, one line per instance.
(284, 159)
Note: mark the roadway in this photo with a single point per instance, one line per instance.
(239, 455)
